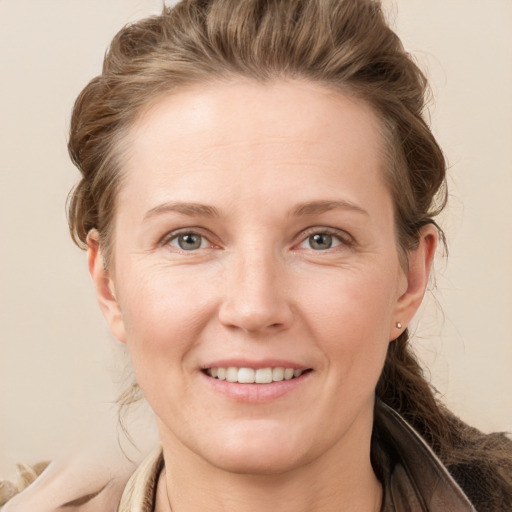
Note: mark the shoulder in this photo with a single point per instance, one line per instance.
(485, 473)
(473, 473)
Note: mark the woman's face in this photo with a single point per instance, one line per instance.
(254, 237)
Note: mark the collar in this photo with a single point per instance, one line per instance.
(139, 493)
(413, 477)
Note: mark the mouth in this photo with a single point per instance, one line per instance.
(254, 375)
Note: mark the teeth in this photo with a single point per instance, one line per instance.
(288, 373)
(263, 376)
(246, 375)
(232, 374)
(251, 376)
(277, 374)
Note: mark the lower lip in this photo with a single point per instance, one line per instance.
(255, 393)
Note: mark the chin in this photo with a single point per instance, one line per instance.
(269, 452)
(257, 464)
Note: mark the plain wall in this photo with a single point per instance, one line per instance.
(58, 363)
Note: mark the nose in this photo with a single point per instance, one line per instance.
(256, 298)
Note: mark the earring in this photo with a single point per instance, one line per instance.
(398, 325)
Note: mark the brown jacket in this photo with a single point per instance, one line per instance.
(413, 477)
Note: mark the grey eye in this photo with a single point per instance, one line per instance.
(320, 241)
(189, 241)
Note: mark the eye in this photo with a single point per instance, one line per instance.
(321, 241)
(188, 241)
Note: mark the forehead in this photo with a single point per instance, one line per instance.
(246, 134)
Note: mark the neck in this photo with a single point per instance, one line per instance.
(341, 480)
(277, 493)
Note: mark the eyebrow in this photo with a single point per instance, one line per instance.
(304, 209)
(317, 207)
(190, 209)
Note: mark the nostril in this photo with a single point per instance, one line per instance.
(256, 312)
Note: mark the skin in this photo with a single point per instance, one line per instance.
(273, 164)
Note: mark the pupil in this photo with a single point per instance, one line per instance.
(189, 242)
(321, 241)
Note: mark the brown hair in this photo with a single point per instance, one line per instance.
(343, 44)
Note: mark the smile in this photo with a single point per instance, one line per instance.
(254, 376)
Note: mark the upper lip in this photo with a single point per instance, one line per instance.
(254, 364)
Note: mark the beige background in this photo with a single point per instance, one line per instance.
(58, 364)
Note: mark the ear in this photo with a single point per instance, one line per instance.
(416, 279)
(104, 287)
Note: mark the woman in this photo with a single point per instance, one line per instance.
(258, 199)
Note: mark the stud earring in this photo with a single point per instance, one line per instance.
(398, 325)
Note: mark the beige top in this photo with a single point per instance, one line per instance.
(140, 491)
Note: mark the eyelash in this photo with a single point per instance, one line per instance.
(175, 236)
(343, 239)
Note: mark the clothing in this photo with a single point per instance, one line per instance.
(139, 493)
(413, 477)
(26, 475)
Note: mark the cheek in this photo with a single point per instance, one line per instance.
(164, 311)
(354, 303)
(349, 315)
